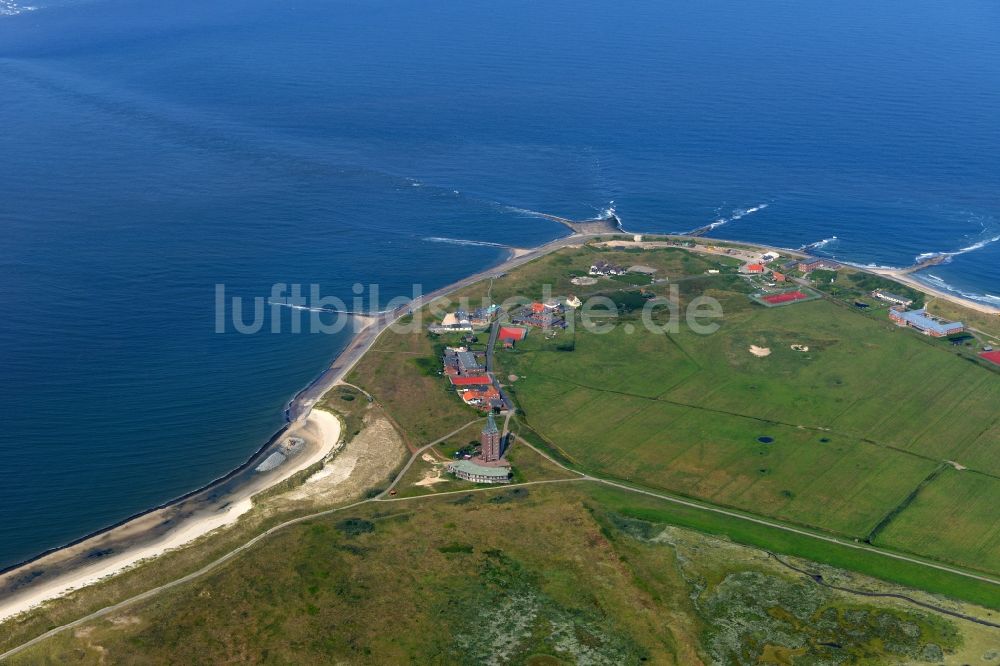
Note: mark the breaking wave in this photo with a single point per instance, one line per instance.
(947, 256)
(987, 236)
(525, 211)
(305, 307)
(609, 213)
(736, 214)
(873, 266)
(940, 283)
(327, 309)
(818, 245)
(11, 8)
(462, 241)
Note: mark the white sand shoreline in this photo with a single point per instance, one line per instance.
(321, 430)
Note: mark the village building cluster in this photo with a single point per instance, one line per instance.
(466, 371)
(462, 321)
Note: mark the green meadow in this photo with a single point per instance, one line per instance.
(952, 519)
(855, 414)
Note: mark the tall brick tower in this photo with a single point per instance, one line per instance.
(491, 440)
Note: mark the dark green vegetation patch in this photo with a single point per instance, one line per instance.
(355, 526)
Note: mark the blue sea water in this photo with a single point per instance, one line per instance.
(151, 150)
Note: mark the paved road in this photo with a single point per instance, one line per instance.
(490, 365)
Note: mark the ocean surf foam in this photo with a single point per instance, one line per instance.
(947, 256)
(11, 8)
(736, 214)
(939, 283)
(462, 241)
(819, 245)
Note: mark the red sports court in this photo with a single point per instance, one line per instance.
(513, 333)
(992, 356)
(775, 299)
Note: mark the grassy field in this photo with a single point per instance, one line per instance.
(857, 422)
(499, 577)
(401, 372)
(559, 268)
(427, 475)
(900, 572)
(954, 518)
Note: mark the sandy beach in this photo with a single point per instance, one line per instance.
(62, 571)
(906, 278)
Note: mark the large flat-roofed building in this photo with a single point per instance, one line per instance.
(926, 323)
(817, 263)
(468, 364)
(890, 297)
(471, 471)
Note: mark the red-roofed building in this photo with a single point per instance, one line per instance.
(778, 277)
(538, 308)
(753, 269)
(483, 398)
(470, 380)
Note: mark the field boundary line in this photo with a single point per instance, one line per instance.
(802, 532)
